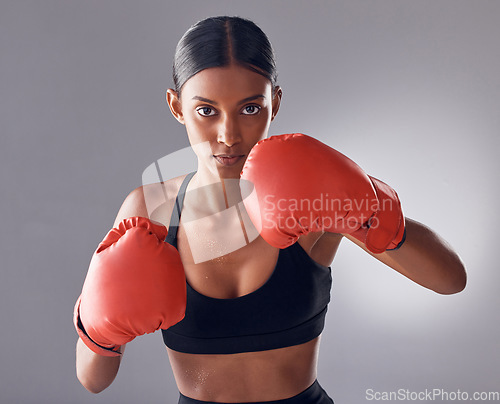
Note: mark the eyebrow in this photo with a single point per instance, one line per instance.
(251, 98)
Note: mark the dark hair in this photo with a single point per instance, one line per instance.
(221, 41)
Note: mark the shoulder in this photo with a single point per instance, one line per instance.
(154, 201)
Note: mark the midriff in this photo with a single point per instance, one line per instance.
(245, 377)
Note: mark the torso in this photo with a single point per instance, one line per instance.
(251, 376)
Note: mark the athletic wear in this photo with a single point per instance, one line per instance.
(289, 309)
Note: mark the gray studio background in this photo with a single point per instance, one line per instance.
(408, 89)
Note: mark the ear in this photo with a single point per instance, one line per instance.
(278, 93)
(174, 104)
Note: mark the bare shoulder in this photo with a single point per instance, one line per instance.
(154, 201)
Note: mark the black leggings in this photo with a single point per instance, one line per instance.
(312, 395)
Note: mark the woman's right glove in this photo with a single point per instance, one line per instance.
(135, 285)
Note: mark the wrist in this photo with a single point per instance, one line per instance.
(398, 241)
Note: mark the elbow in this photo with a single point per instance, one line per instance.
(92, 389)
(456, 282)
(95, 372)
(452, 288)
(91, 385)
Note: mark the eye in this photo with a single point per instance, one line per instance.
(251, 110)
(206, 111)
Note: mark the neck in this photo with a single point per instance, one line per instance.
(213, 193)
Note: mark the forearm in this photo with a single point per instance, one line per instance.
(95, 372)
(427, 259)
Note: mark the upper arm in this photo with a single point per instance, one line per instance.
(425, 258)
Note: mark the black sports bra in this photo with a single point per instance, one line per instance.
(289, 309)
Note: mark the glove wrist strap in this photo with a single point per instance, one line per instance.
(91, 344)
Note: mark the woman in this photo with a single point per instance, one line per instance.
(251, 329)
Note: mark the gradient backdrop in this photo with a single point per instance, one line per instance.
(408, 89)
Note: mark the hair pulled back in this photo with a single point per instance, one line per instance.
(219, 42)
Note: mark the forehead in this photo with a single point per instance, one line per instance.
(226, 82)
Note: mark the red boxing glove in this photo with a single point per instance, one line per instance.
(135, 285)
(302, 185)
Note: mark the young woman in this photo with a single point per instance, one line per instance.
(249, 330)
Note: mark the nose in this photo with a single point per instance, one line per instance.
(229, 132)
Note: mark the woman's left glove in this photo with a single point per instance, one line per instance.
(294, 184)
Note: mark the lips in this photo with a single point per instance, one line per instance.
(228, 159)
